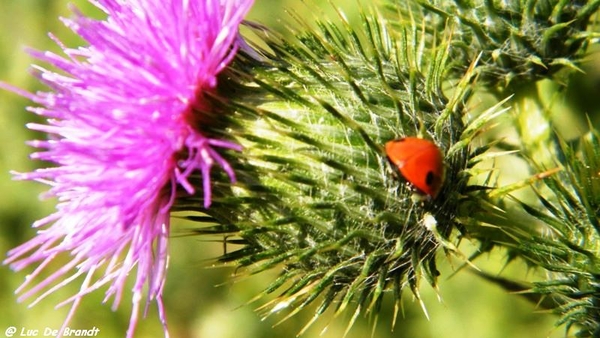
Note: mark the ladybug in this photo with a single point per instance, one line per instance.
(420, 162)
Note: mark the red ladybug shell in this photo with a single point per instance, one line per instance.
(420, 162)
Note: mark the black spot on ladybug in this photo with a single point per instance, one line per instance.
(430, 178)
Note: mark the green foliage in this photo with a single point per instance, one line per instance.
(572, 213)
(557, 232)
(567, 243)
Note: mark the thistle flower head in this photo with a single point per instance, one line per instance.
(123, 134)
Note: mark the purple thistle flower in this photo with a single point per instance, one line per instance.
(120, 125)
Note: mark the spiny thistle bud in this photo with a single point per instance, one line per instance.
(316, 194)
(520, 41)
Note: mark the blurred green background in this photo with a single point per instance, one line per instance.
(200, 301)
